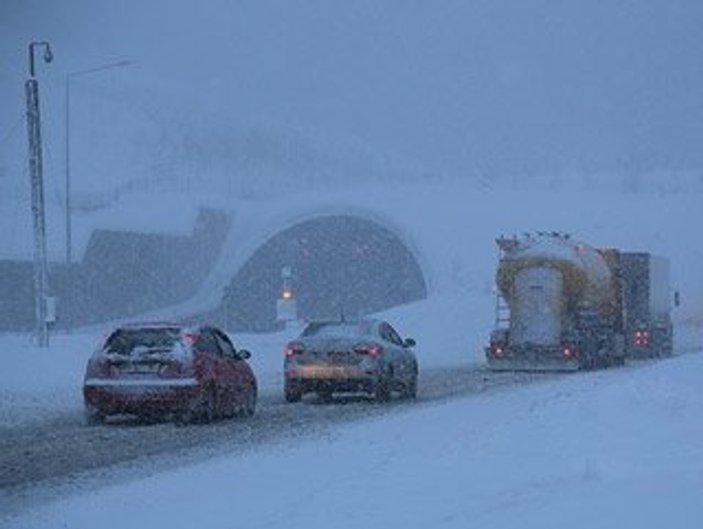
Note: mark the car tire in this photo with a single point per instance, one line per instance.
(94, 417)
(148, 418)
(382, 390)
(250, 404)
(230, 411)
(211, 411)
(293, 393)
(411, 387)
(203, 410)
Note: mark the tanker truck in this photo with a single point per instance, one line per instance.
(563, 305)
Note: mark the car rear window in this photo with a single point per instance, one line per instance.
(333, 329)
(131, 342)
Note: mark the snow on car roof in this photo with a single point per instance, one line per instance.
(152, 325)
(338, 328)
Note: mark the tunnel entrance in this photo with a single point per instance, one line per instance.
(339, 264)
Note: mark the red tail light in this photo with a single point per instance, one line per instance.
(293, 349)
(641, 338)
(569, 351)
(496, 350)
(373, 350)
(190, 338)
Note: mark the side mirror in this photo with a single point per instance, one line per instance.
(409, 342)
(244, 354)
(677, 299)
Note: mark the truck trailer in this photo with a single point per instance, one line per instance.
(564, 305)
(646, 305)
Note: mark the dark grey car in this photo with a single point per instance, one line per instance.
(366, 356)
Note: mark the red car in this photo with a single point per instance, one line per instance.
(163, 369)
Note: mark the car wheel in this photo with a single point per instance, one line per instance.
(382, 390)
(148, 418)
(325, 395)
(94, 417)
(293, 393)
(212, 411)
(411, 387)
(250, 404)
(201, 410)
(230, 410)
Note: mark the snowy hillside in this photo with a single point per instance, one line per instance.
(450, 227)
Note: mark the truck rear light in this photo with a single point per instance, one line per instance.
(293, 349)
(373, 350)
(567, 352)
(641, 338)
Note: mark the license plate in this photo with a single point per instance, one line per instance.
(325, 372)
(142, 368)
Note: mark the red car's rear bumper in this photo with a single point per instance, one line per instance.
(113, 396)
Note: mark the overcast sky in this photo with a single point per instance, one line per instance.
(445, 86)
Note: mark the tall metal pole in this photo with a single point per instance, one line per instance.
(69, 244)
(37, 185)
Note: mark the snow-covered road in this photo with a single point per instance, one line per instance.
(615, 448)
(63, 448)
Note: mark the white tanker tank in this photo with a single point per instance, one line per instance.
(564, 304)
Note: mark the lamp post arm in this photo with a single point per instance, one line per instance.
(99, 68)
(48, 56)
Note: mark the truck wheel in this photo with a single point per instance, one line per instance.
(586, 363)
(292, 393)
(325, 395)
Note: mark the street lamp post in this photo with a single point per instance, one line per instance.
(37, 185)
(69, 77)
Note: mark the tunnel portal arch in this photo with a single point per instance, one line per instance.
(340, 263)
